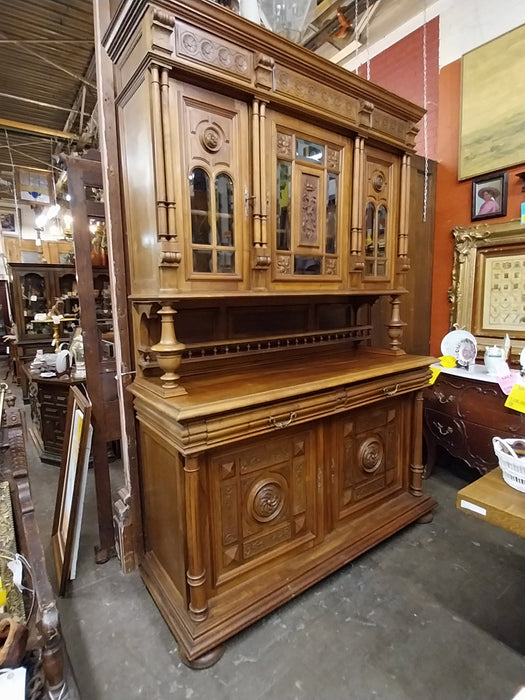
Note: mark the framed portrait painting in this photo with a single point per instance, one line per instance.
(489, 196)
(9, 221)
(71, 487)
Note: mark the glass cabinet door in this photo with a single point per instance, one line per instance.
(382, 172)
(34, 289)
(308, 218)
(67, 292)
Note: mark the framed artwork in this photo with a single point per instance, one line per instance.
(35, 186)
(489, 196)
(7, 190)
(488, 279)
(9, 221)
(492, 86)
(71, 487)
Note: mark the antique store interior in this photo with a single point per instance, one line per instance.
(262, 370)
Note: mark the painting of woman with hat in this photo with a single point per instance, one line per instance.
(489, 196)
(490, 203)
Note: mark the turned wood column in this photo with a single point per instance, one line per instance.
(395, 325)
(256, 175)
(416, 461)
(196, 573)
(169, 351)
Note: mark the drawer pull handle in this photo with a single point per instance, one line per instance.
(443, 431)
(442, 398)
(391, 392)
(282, 423)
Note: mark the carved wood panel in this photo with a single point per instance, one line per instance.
(368, 447)
(263, 502)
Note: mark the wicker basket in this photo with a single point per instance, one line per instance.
(511, 458)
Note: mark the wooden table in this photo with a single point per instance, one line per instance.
(490, 498)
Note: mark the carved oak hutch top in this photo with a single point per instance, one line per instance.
(257, 173)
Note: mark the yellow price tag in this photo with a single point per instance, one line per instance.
(435, 374)
(516, 398)
(448, 361)
(3, 595)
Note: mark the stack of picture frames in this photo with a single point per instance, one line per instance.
(65, 535)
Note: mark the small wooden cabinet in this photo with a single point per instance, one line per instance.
(463, 412)
(48, 402)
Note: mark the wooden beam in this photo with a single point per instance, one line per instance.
(35, 129)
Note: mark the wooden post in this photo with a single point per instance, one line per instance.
(118, 277)
(196, 573)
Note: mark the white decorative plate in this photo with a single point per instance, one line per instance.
(452, 342)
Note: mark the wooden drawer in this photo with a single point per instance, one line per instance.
(446, 430)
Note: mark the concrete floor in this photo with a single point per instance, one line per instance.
(434, 613)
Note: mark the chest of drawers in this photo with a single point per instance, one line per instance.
(463, 411)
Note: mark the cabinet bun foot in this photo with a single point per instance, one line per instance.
(205, 661)
(427, 518)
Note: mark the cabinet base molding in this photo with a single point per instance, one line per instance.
(200, 645)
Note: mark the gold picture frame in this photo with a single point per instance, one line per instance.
(71, 487)
(488, 283)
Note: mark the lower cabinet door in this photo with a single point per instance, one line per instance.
(263, 502)
(370, 456)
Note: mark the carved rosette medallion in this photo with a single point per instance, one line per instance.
(266, 501)
(211, 139)
(284, 146)
(209, 51)
(378, 181)
(370, 455)
(189, 42)
(225, 57)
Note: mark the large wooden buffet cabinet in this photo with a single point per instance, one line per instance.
(266, 197)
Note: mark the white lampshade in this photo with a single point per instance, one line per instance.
(289, 18)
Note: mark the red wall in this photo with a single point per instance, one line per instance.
(400, 69)
(453, 199)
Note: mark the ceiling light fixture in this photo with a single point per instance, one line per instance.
(289, 18)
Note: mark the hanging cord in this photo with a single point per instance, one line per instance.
(425, 120)
(356, 37)
(366, 39)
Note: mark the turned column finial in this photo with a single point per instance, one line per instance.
(395, 325)
(169, 350)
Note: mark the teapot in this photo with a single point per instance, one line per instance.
(494, 359)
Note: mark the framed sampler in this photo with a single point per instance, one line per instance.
(488, 282)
